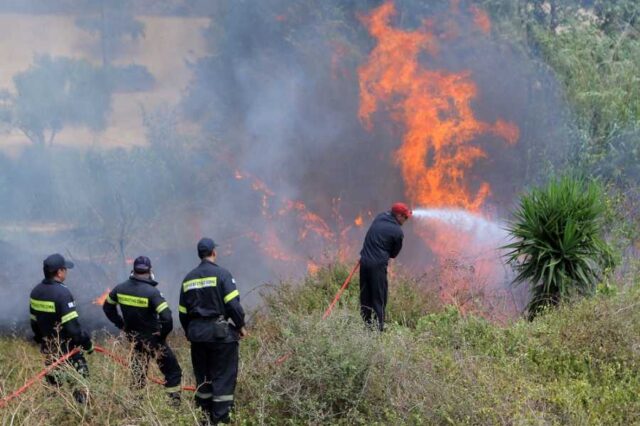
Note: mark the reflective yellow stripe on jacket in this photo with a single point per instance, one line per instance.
(161, 307)
(199, 283)
(43, 305)
(135, 301)
(68, 317)
(229, 297)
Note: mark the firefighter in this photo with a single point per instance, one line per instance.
(208, 300)
(55, 325)
(382, 242)
(146, 320)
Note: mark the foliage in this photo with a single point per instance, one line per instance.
(575, 365)
(130, 78)
(599, 71)
(559, 249)
(593, 47)
(54, 92)
(112, 21)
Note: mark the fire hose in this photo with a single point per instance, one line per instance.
(4, 401)
(124, 363)
(339, 293)
(337, 297)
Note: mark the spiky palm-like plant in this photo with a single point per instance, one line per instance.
(559, 247)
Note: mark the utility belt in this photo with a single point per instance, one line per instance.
(203, 330)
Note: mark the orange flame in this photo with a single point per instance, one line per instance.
(435, 108)
(320, 235)
(439, 132)
(311, 222)
(481, 19)
(100, 299)
(312, 267)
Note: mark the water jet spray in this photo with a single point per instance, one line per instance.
(466, 221)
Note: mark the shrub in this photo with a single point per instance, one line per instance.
(574, 365)
(559, 250)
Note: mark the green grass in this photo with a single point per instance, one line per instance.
(576, 364)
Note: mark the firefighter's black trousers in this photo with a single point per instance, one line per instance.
(144, 350)
(215, 366)
(373, 292)
(58, 376)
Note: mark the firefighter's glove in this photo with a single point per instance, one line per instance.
(89, 349)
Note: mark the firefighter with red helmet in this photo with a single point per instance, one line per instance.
(213, 320)
(382, 242)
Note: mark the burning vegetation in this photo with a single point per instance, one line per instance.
(287, 168)
(287, 156)
(440, 131)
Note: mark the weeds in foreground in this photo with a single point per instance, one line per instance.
(574, 365)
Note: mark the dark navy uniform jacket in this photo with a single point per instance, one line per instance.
(144, 311)
(383, 240)
(209, 292)
(54, 317)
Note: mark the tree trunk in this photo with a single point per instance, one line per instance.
(103, 36)
(553, 22)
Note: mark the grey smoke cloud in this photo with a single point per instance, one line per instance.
(271, 91)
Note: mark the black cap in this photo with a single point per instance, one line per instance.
(56, 261)
(142, 264)
(205, 247)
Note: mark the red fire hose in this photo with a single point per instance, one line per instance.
(4, 401)
(337, 297)
(124, 363)
(339, 293)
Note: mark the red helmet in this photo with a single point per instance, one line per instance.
(401, 208)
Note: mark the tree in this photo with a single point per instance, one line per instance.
(55, 92)
(559, 249)
(112, 21)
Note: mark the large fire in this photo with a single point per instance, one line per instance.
(322, 236)
(437, 158)
(438, 147)
(440, 129)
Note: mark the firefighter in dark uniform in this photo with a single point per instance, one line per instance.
(54, 321)
(146, 320)
(382, 242)
(208, 299)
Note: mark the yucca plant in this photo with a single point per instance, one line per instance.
(559, 248)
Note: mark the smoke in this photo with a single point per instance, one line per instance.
(219, 125)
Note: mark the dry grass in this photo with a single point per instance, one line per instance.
(575, 365)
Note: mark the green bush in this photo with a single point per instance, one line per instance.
(559, 248)
(575, 365)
